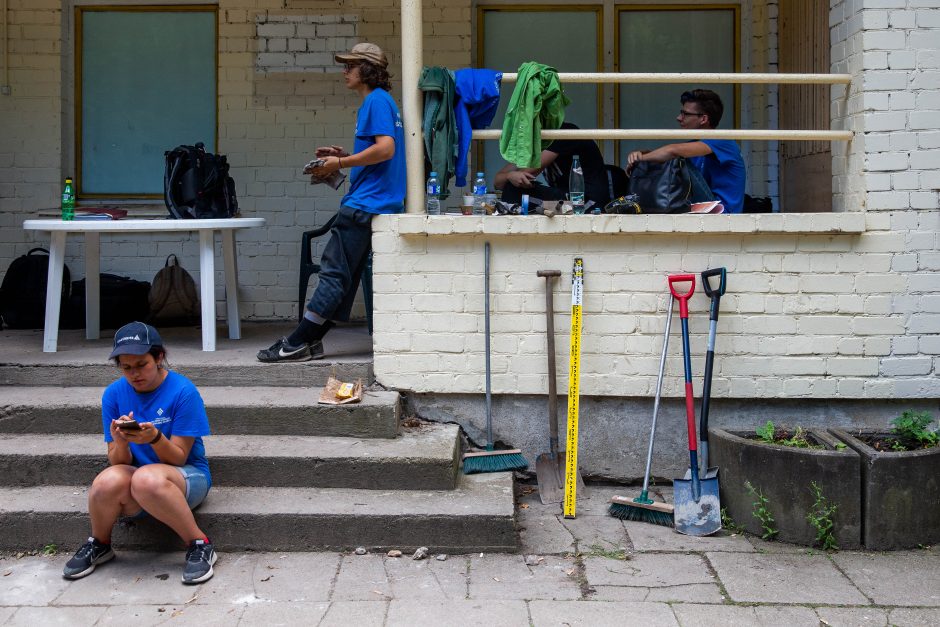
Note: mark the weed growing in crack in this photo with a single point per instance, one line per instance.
(820, 516)
(762, 513)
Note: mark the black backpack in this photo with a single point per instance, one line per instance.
(121, 299)
(196, 184)
(23, 292)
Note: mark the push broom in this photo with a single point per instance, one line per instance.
(643, 508)
(491, 460)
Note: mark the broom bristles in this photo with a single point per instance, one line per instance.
(655, 513)
(494, 461)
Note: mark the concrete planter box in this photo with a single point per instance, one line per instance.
(900, 494)
(783, 474)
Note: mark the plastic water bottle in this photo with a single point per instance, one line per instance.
(576, 185)
(68, 200)
(434, 195)
(479, 191)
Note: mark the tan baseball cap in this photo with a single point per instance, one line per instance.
(364, 52)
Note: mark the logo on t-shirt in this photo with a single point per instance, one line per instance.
(160, 412)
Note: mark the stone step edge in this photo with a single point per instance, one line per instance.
(478, 516)
(433, 441)
(15, 397)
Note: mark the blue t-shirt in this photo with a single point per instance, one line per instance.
(378, 188)
(175, 408)
(724, 172)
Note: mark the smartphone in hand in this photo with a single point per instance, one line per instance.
(127, 425)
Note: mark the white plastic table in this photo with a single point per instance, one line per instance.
(59, 230)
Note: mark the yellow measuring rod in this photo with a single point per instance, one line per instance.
(574, 380)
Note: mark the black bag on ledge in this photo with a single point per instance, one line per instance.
(662, 187)
(196, 184)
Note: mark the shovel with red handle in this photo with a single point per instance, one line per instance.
(697, 508)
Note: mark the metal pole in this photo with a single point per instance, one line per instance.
(691, 77)
(682, 134)
(412, 40)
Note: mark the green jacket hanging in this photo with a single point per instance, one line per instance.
(440, 122)
(538, 102)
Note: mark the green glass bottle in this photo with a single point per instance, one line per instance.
(68, 200)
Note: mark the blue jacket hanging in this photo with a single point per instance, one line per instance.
(475, 107)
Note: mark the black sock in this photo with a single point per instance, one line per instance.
(300, 334)
(319, 331)
(309, 332)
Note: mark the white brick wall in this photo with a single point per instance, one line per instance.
(809, 313)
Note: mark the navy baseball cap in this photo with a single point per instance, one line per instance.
(135, 338)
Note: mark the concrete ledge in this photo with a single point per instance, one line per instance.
(232, 410)
(478, 516)
(424, 225)
(420, 459)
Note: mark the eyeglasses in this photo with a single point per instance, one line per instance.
(683, 113)
(349, 67)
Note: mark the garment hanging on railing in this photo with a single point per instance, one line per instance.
(440, 124)
(538, 102)
(475, 108)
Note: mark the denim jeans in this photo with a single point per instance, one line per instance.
(342, 263)
(701, 192)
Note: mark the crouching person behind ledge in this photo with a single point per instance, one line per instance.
(158, 468)
(376, 186)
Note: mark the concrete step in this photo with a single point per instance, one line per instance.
(423, 458)
(232, 410)
(82, 362)
(302, 374)
(477, 516)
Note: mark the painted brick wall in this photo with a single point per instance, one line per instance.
(809, 313)
(273, 112)
(30, 131)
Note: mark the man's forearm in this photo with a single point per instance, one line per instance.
(376, 153)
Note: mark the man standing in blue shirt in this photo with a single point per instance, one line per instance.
(376, 185)
(717, 161)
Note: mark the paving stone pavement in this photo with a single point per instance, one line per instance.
(592, 570)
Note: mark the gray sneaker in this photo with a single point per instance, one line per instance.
(199, 560)
(86, 558)
(282, 351)
(316, 350)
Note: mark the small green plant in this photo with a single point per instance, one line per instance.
(911, 429)
(766, 433)
(820, 516)
(762, 513)
(798, 440)
(728, 522)
(840, 446)
(50, 549)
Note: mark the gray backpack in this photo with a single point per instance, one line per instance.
(173, 298)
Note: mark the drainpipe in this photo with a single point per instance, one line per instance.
(5, 50)
(412, 42)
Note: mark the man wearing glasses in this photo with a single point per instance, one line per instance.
(376, 186)
(719, 171)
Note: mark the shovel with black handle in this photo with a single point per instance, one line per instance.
(549, 467)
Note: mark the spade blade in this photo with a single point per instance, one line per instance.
(701, 517)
